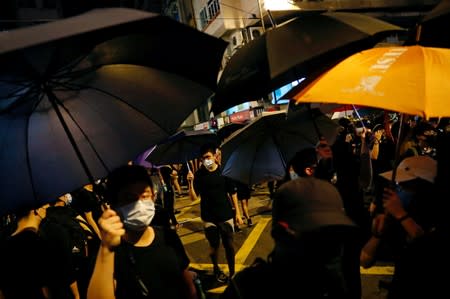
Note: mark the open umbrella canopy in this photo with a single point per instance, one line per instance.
(413, 80)
(302, 47)
(83, 95)
(260, 151)
(228, 129)
(181, 147)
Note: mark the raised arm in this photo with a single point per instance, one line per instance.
(101, 285)
(190, 178)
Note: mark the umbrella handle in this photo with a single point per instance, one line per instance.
(397, 147)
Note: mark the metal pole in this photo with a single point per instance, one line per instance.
(272, 20)
(261, 16)
(397, 147)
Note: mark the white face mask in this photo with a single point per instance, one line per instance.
(208, 163)
(138, 215)
(293, 175)
(68, 199)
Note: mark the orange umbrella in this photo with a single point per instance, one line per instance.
(412, 80)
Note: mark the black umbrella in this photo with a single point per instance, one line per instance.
(83, 95)
(430, 31)
(260, 151)
(228, 129)
(302, 47)
(181, 147)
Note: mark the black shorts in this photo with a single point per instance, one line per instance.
(215, 231)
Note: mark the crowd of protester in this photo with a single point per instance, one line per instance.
(338, 208)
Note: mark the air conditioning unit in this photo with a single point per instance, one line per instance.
(255, 32)
(237, 39)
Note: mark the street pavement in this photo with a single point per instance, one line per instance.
(250, 243)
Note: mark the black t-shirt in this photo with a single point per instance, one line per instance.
(213, 189)
(23, 271)
(85, 201)
(159, 265)
(419, 262)
(243, 190)
(61, 263)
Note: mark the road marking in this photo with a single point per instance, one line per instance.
(218, 290)
(378, 270)
(251, 240)
(375, 270)
(191, 238)
(186, 208)
(209, 267)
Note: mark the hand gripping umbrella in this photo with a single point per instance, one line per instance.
(83, 95)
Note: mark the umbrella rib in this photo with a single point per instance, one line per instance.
(75, 74)
(16, 90)
(66, 70)
(21, 100)
(28, 161)
(82, 132)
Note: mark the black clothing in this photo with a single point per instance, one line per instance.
(24, 272)
(169, 194)
(73, 248)
(85, 201)
(159, 265)
(243, 190)
(418, 262)
(213, 189)
(61, 262)
(314, 268)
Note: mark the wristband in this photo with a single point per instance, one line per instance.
(406, 216)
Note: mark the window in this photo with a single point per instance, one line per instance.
(213, 8)
(203, 18)
(208, 13)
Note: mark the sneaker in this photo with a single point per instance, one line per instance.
(249, 222)
(221, 277)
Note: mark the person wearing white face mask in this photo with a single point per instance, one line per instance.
(135, 259)
(218, 196)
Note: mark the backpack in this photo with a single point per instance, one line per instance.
(82, 244)
(79, 237)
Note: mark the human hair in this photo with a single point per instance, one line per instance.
(208, 148)
(306, 157)
(122, 176)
